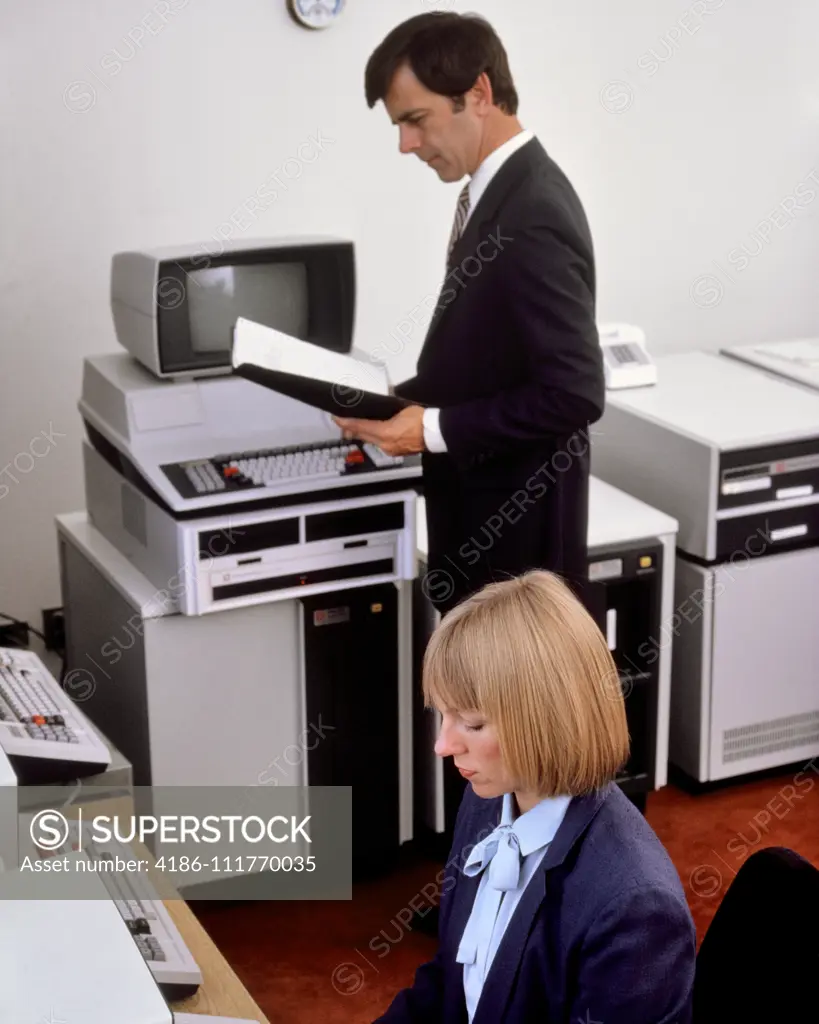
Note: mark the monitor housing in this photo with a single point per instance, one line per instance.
(174, 308)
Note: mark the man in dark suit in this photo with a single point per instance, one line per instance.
(510, 375)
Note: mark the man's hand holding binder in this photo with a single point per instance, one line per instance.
(403, 434)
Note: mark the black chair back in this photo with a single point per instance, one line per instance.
(759, 959)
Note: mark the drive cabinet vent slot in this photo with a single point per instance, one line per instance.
(769, 737)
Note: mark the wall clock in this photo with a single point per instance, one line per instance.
(315, 13)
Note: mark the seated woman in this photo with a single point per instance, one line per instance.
(559, 904)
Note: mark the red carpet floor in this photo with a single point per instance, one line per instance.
(343, 962)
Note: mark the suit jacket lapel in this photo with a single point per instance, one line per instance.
(464, 898)
(500, 980)
(497, 988)
(480, 225)
(486, 819)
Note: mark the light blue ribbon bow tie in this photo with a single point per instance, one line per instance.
(501, 851)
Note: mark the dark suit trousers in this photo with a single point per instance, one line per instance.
(489, 526)
(494, 522)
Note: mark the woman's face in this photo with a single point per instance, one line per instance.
(472, 742)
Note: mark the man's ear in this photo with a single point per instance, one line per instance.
(481, 92)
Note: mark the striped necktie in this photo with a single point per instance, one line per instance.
(461, 211)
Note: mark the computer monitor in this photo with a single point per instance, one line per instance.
(174, 308)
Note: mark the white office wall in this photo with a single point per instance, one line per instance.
(689, 131)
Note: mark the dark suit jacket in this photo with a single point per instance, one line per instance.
(512, 358)
(602, 932)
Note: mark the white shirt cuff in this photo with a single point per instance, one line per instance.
(433, 438)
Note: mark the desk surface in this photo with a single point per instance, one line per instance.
(221, 994)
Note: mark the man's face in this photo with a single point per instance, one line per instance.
(446, 139)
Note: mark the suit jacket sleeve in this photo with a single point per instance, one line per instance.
(546, 287)
(405, 387)
(637, 961)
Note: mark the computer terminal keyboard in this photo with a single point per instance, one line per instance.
(41, 732)
(275, 467)
(142, 910)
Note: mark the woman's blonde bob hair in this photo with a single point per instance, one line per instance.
(527, 655)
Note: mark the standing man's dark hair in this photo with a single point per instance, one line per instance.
(510, 374)
(446, 52)
(444, 80)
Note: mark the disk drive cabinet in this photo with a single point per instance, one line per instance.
(733, 454)
(301, 691)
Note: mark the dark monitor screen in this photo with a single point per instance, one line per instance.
(307, 291)
(273, 294)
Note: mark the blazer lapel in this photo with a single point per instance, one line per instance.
(486, 820)
(497, 988)
(463, 899)
(480, 226)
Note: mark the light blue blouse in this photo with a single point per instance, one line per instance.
(513, 852)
